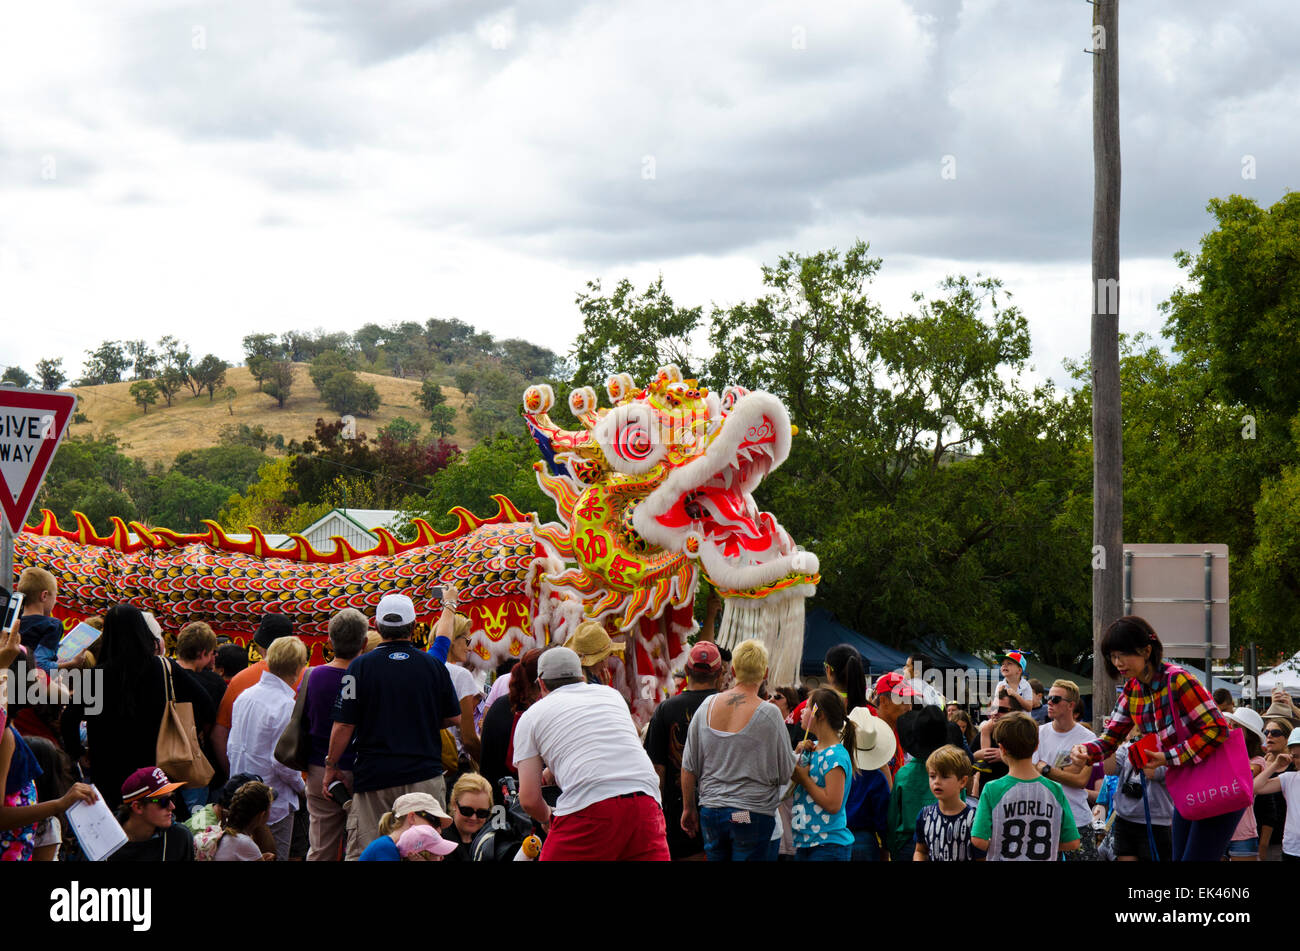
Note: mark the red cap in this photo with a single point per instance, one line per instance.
(895, 684)
(705, 658)
(147, 781)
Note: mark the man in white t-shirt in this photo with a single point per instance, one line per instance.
(1056, 738)
(583, 733)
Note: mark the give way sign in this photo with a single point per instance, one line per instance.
(32, 423)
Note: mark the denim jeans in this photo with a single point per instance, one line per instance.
(866, 847)
(824, 853)
(727, 841)
(1204, 840)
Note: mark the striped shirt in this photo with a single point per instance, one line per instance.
(1148, 705)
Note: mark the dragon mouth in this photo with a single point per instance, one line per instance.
(707, 506)
(722, 511)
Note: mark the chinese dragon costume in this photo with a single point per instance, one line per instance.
(652, 492)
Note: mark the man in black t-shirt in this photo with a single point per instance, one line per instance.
(152, 833)
(393, 704)
(665, 740)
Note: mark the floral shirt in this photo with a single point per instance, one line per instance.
(17, 845)
(811, 824)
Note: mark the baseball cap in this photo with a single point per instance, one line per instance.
(1015, 657)
(272, 626)
(558, 663)
(419, 802)
(395, 609)
(704, 658)
(895, 684)
(424, 839)
(145, 782)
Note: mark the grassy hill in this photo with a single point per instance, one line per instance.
(195, 423)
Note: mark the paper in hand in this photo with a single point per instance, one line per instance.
(96, 828)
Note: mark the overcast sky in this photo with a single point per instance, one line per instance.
(212, 170)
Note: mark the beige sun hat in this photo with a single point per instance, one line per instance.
(592, 644)
(874, 742)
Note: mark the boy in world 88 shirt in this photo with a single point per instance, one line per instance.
(1022, 817)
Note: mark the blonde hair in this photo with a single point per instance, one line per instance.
(286, 656)
(470, 783)
(1070, 687)
(373, 640)
(33, 581)
(461, 627)
(749, 661)
(949, 761)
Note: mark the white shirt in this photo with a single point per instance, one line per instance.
(465, 684)
(258, 718)
(586, 735)
(1054, 748)
(1291, 831)
(1023, 690)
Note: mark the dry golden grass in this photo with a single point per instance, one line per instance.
(195, 423)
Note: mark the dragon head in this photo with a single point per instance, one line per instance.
(660, 483)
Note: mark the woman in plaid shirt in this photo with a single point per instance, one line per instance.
(1132, 651)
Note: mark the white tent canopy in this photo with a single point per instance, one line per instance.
(1285, 674)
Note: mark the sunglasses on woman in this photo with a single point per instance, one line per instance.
(469, 813)
(1275, 733)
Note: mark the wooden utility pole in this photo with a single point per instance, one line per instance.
(1107, 430)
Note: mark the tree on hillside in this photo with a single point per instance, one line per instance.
(400, 429)
(261, 350)
(229, 394)
(441, 421)
(279, 381)
(144, 393)
(50, 373)
(16, 376)
(144, 362)
(177, 359)
(347, 394)
(430, 396)
(326, 364)
(527, 359)
(209, 373)
(105, 364)
(304, 347)
(169, 382)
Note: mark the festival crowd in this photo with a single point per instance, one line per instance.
(390, 752)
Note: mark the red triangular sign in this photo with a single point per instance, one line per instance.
(32, 423)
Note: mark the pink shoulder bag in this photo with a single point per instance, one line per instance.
(1220, 783)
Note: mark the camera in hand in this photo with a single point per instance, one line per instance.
(1132, 788)
(339, 792)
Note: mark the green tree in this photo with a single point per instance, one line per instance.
(208, 374)
(50, 373)
(105, 364)
(1240, 317)
(346, 393)
(16, 376)
(431, 396)
(630, 332)
(278, 377)
(95, 477)
(270, 503)
(168, 383)
(182, 502)
(401, 429)
(144, 362)
(232, 466)
(144, 393)
(441, 421)
(325, 365)
(260, 352)
(229, 394)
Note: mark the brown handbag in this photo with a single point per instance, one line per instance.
(178, 751)
(293, 749)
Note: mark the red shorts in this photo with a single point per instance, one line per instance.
(620, 829)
